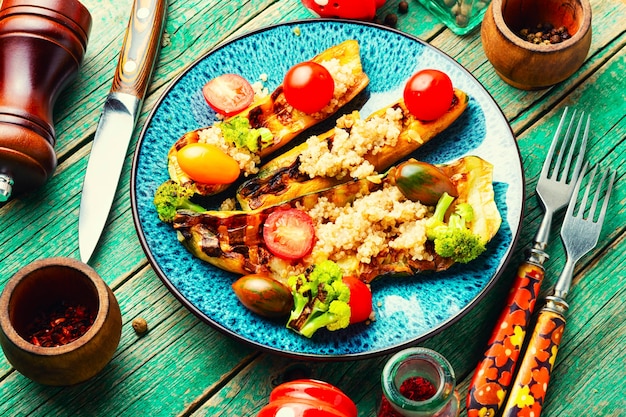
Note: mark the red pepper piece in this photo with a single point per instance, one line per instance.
(299, 407)
(316, 391)
(346, 9)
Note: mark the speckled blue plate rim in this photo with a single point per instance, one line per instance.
(340, 345)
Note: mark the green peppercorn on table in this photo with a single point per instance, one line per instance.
(182, 366)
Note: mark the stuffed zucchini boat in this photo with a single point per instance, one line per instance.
(355, 148)
(370, 227)
(270, 122)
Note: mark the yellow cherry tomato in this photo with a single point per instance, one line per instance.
(207, 164)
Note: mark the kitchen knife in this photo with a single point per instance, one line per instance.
(118, 118)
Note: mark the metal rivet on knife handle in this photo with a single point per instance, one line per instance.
(133, 69)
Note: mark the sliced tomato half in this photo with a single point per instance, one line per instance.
(289, 234)
(347, 9)
(228, 94)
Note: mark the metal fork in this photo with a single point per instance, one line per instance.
(579, 235)
(554, 188)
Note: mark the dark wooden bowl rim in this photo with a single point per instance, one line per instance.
(87, 272)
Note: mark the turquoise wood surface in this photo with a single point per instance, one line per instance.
(184, 367)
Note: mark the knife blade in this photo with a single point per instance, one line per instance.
(118, 118)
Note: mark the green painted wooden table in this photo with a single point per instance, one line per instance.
(182, 365)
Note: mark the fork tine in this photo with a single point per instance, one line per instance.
(582, 205)
(570, 207)
(596, 196)
(568, 147)
(607, 195)
(555, 140)
(583, 202)
(581, 151)
(562, 151)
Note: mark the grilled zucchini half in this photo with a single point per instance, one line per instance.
(273, 116)
(233, 240)
(286, 176)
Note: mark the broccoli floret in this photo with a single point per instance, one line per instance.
(239, 132)
(466, 212)
(320, 299)
(454, 239)
(170, 197)
(336, 317)
(437, 220)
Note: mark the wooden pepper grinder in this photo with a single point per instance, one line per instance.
(42, 45)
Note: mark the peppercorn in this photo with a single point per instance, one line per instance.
(140, 325)
(461, 20)
(545, 34)
(391, 20)
(403, 7)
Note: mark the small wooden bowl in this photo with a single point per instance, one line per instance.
(526, 65)
(37, 287)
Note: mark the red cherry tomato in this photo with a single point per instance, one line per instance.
(289, 234)
(207, 164)
(346, 9)
(311, 389)
(228, 94)
(428, 94)
(360, 299)
(308, 86)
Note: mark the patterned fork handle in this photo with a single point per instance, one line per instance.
(494, 373)
(528, 393)
(579, 236)
(493, 376)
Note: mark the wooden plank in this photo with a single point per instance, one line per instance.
(199, 369)
(601, 96)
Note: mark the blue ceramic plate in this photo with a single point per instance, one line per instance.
(408, 310)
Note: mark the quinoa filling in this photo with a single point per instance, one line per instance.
(353, 139)
(374, 223)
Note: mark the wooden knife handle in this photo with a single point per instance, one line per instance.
(140, 48)
(528, 392)
(493, 376)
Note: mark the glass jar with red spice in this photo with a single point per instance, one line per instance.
(418, 382)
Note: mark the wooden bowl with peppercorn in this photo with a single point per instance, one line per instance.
(60, 323)
(534, 44)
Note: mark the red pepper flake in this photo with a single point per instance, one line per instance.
(417, 388)
(60, 325)
(386, 410)
(414, 388)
